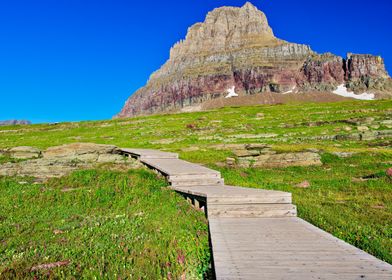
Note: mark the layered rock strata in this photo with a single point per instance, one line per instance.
(237, 47)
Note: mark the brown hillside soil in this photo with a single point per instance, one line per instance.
(272, 99)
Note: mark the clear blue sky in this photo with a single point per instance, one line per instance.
(71, 60)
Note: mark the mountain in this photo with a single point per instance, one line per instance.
(14, 122)
(237, 47)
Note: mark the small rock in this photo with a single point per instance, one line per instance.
(230, 161)
(347, 128)
(246, 153)
(257, 146)
(343, 154)
(313, 150)
(358, 180)
(363, 128)
(387, 123)
(58, 231)
(303, 185)
(368, 135)
(24, 152)
(260, 116)
(191, 149)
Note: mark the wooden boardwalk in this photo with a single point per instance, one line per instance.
(255, 233)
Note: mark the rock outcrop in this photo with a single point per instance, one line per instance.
(62, 160)
(261, 155)
(24, 152)
(237, 47)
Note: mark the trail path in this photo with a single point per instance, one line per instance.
(256, 234)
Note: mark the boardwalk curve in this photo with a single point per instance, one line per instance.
(256, 234)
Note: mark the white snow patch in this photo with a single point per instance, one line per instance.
(342, 91)
(289, 91)
(231, 92)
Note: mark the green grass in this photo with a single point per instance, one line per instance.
(108, 225)
(359, 212)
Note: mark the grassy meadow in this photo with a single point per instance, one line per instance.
(349, 197)
(100, 225)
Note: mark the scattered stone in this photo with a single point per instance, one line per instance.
(253, 136)
(77, 138)
(230, 161)
(347, 128)
(362, 128)
(358, 180)
(387, 123)
(246, 153)
(382, 134)
(58, 231)
(303, 185)
(260, 116)
(343, 154)
(376, 126)
(24, 152)
(350, 137)
(257, 146)
(368, 136)
(191, 149)
(313, 150)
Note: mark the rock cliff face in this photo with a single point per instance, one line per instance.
(237, 47)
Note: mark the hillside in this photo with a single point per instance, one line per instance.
(333, 157)
(236, 47)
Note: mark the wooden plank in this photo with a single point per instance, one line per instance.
(253, 247)
(178, 167)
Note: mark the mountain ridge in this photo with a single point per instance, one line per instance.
(237, 47)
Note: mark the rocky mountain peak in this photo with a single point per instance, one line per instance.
(236, 47)
(225, 29)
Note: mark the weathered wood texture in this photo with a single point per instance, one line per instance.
(255, 233)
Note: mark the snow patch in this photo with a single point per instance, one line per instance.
(289, 91)
(342, 91)
(231, 92)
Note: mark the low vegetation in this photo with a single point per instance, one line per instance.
(97, 224)
(350, 195)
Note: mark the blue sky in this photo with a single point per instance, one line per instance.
(71, 60)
